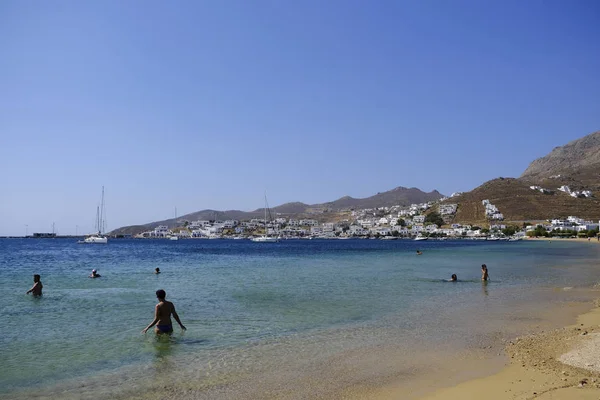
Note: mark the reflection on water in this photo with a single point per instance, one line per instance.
(484, 288)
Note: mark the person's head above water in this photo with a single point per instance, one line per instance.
(161, 294)
(454, 278)
(93, 271)
(483, 267)
(157, 270)
(36, 278)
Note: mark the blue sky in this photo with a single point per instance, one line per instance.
(207, 104)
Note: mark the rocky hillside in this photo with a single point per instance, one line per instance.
(569, 159)
(325, 212)
(576, 164)
(518, 202)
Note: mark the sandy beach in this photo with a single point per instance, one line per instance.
(561, 364)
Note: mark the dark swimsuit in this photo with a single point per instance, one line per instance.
(165, 328)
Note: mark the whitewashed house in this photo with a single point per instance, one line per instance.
(418, 219)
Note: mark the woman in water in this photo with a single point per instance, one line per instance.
(453, 278)
(484, 273)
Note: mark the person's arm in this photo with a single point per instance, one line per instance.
(32, 288)
(176, 316)
(154, 321)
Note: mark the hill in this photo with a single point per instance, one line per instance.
(325, 212)
(576, 164)
(518, 202)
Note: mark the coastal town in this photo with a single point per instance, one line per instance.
(431, 220)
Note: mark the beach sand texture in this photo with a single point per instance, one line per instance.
(563, 364)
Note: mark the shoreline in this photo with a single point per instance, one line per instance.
(528, 366)
(559, 365)
(550, 239)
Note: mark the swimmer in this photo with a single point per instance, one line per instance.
(453, 278)
(419, 252)
(36, 289)
(162, 315)
(94, 274)
(157, 270)
(484, 273)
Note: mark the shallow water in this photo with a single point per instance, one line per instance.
(260, 309)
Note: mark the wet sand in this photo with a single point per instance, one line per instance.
(559, 365)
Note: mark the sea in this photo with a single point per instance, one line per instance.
(294, 319)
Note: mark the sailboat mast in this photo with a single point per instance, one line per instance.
(100, 226)
(98, 218)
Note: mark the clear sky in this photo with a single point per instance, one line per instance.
(207, 104)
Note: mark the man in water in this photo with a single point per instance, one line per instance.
(36, 289)
(484, 273)
(162, 315)
(94, 274)
(419, 252)
(157, 270)
(453, 278)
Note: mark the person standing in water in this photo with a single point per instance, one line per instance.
(36, 289)
(484, 273)
(162, 315)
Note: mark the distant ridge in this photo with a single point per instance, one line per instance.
(397, 196)
(326, 211)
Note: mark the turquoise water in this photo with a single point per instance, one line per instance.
(250, 306)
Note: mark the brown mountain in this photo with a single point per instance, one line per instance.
(330, 211)
(518, 202)
(576, 164)
(578, 155)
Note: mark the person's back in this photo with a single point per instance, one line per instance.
(164, 309)
(162, 315)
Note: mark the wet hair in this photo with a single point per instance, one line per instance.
(483, 266)
(157, 269)
(161, 294)
(454, 276)
(36, 278)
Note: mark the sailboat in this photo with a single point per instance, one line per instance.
(98, 238)
(265, 238)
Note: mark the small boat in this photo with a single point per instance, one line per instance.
(265, 239)
(173, 237)
(94, 239)
(389, 238)
(419, 237)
